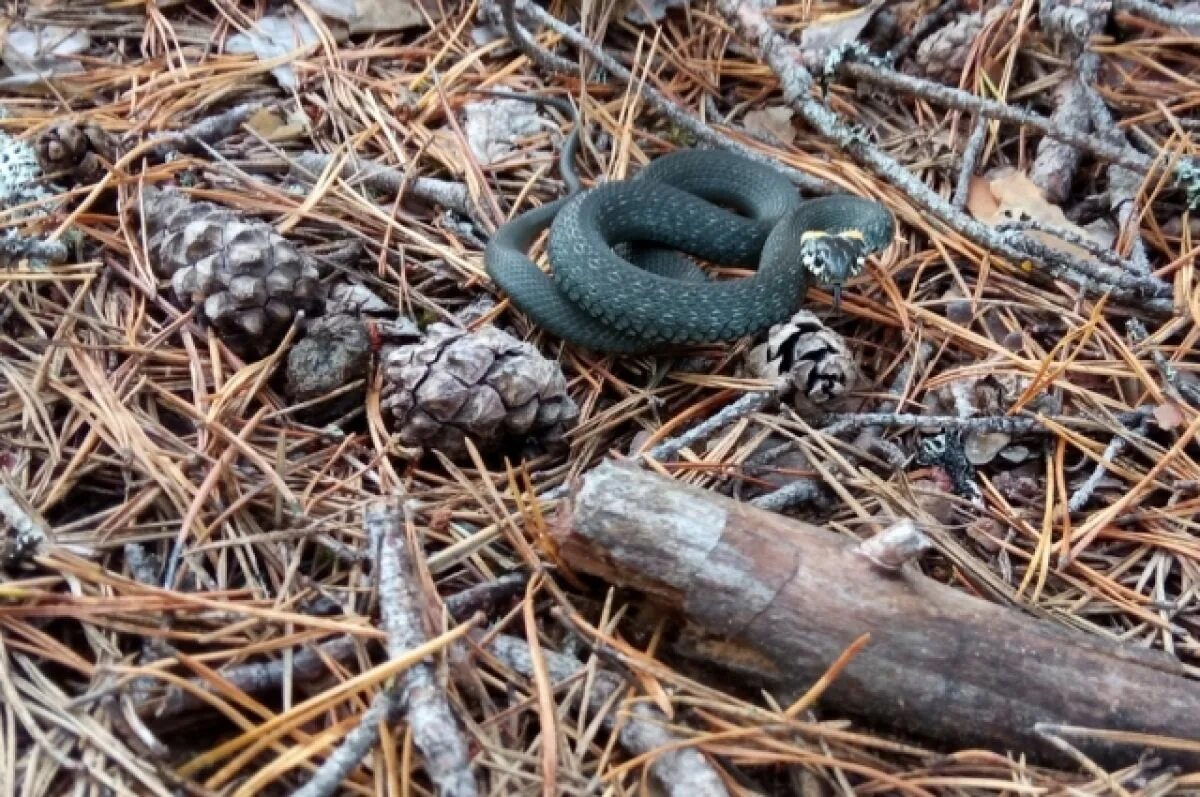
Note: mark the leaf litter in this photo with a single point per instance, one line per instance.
(188, 601)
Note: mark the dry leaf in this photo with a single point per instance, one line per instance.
(375, 16)
(981, 202)
(35, 55)
(273, 36)
(273, 127)
(493, 126)
(1009, 195)
(645, 12)
(836, 30)
(775, 122)
(1168, 416)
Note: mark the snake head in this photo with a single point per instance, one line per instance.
(833, 258)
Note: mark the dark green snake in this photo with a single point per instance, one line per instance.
(620, 283)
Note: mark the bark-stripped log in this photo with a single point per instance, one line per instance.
(940, 665)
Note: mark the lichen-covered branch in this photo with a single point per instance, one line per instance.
(386, 180)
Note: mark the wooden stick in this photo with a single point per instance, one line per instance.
(941, 665)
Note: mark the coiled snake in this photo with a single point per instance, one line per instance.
(620, 283)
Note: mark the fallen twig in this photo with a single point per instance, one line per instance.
(387, 180)
(681, 772)
(434, 729)
(970, 161)
(308, 663)
(208, 130)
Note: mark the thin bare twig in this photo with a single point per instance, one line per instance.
(434, 729)
(681, 772)
(970, 161)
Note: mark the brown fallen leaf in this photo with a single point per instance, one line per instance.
(1009, 195)
(273, 126)
(774, 122)
(377, 16)
(836, 30)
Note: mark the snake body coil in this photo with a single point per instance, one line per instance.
(620, 283)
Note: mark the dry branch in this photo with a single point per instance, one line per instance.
(683, 772)
(386, 180)
(435, 730)
(941, 664)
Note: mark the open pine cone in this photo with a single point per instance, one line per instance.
(806, 356)
(485, 385)
(248, 281)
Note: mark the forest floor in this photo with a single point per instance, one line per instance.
(259, 546)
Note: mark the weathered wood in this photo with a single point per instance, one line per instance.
(941, 665)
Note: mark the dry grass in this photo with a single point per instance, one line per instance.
(123, 424)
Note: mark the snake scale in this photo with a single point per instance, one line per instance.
(622, 282)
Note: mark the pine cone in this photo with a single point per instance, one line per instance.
(81, 150)
(485, 385)
(943, 54)
(248, 281)
(807, 356)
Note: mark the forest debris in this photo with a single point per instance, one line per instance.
(21, 184)
(982, 447)
(647, 12)
(943, 54)
(380, 16)
(807, 357)
(335, 351)
(80, 150)
(275, 35)
(23, 532)
(680, 772)
(1009, 195)
(774, 121)
(276, 126)
(35, 56)
(895, 546)
(493, 127)
(940, 665)
(436, 731)
(837, 30)
(484, 385)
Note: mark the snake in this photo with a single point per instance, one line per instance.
(623, 277)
